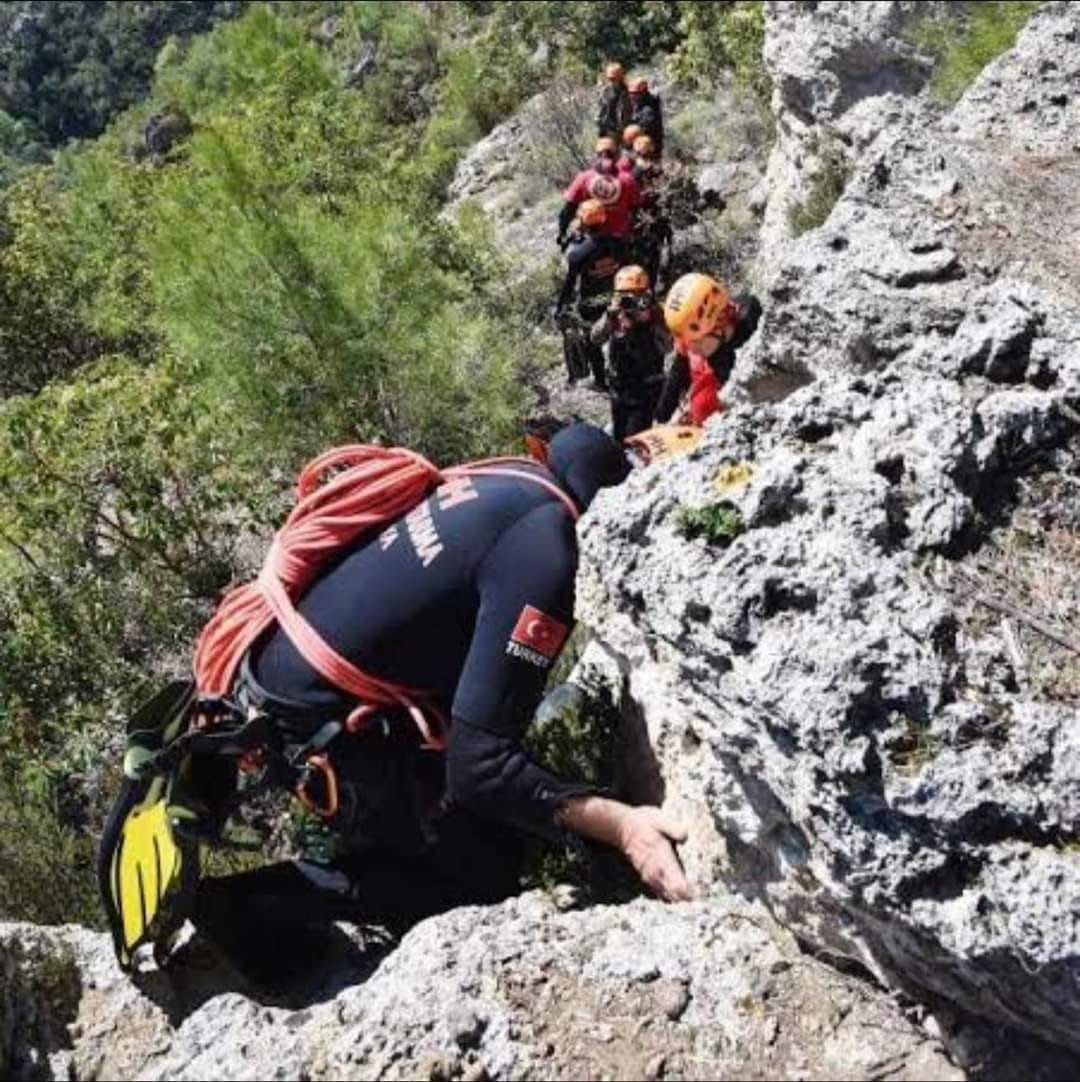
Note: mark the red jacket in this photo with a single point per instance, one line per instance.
(619, 194)
(704, 388)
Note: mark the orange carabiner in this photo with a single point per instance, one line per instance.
(325, 767)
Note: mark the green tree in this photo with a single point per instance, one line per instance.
(69, 67)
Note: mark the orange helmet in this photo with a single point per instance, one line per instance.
(604, 188)
(645, 146)
(638, 85)
(592, 212)
(606, 145)
(614, 73)
(695, 307)
(632, 279)
(630, 133)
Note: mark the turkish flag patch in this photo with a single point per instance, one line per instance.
(540, 632)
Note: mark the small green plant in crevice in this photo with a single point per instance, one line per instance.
(963, 39)
(718, 523)
(826, 186)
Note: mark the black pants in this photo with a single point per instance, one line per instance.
(267, 922)
(632, 412)
(581, 354)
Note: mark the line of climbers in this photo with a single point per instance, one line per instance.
(386, 664)
(615, 228)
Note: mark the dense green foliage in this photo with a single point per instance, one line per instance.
(178, 337)
(68, 67)
(724, 36)
(964, 41)
(181, 329)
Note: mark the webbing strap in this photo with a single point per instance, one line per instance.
(484, 470)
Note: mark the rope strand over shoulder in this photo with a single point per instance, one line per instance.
(372, 488)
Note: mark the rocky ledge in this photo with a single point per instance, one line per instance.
(855, 748)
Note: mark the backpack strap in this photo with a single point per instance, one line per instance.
(338, 670)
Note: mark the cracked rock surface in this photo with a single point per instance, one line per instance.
(851, 753)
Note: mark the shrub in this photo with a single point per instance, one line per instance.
(574, 737)
(587, 33)
(47, 867)
(559, 138)
(718, 523)
(730, 35)
(965, 38)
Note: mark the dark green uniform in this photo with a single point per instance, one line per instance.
(614, 113)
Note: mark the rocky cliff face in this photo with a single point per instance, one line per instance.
(880, 769)
(843, 74)
(521, 990)
(857, 746)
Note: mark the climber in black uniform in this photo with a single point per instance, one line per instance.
(647, 112)
(470, 596)
(592, 259)
(633, 327)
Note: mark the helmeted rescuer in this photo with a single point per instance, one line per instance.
(707, 327)
(646, 111)
(644, 147)
(469, 596)
(633, 328)
(613, 113)
(652, 225)
(603, 182)
(627, 159)
(593, 257)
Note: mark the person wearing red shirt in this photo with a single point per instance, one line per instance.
(603, 181)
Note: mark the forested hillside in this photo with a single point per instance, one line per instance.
(67, 68)
(184, 321)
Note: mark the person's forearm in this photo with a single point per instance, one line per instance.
(644, 835)
(566, 216)
(596, 817)
(494, 777)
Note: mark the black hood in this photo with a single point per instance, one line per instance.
(586, 459)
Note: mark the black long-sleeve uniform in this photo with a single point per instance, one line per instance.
(647, 113)
(613, 110)
(470, 597)
(635, 366)
(592, 261)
